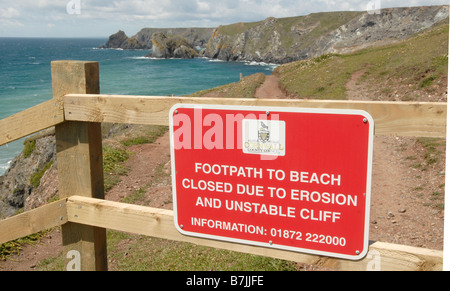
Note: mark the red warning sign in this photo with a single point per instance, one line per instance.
(293, 179)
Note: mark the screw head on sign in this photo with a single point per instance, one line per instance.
(357, 252)
(365, 120)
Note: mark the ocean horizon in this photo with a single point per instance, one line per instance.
(25, 74)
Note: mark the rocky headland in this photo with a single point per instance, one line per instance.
(120, 40)
(19, 186)
(171, 47)
(197, 37)
(284, 40)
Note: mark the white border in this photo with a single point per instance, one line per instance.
(280, 109)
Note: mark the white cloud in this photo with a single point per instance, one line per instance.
(9, 12)
(9, 17)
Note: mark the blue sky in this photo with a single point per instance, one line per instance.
(101, 18)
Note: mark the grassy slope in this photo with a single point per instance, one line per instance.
(326, 21)
(418, 63)
(245, 88)
(316, 25)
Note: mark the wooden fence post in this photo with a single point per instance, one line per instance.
(80, 165)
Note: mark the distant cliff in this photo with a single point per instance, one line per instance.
(198, 37)
(122, 41)
(18, 186)
(172, 47)
(285, 40)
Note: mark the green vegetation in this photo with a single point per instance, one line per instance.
(150, 136)
(29, 147)
(237, 28)
(165, 255)
(113, 167)
(245, 88)
(416, 63)
(432, 155)
(316, 25)
(14, 247)
(138, 196)
(434, 150)
(142, 253)
(35, 179)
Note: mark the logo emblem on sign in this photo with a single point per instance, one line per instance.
(264, 137)
(264, 133)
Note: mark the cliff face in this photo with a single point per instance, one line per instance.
(143, 39)
(289, 39)
(18, 184)
(171, 47)
(195, 36)
(121, 40)
(285, 40)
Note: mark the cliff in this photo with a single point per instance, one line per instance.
(197, 37)
(285, 40)
(121, 40)
(171, 47)
(19, 185)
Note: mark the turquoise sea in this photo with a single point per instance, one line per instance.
(25, 77)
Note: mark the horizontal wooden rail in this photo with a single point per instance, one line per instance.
(160, 223)
(33, 221)
(30, 121)
(425, 119)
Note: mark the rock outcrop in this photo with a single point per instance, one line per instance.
(283, 40)
(122, 41)
(171, 47)
(290, 39)
(25, 173)
(198, 37)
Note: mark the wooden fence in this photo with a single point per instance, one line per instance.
(77, 111)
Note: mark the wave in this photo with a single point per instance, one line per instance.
(144, 58)
(270, 66)
(116, 49)
(137, 58)
(4, 167)
(216, 61)
(263, 64)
